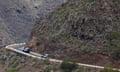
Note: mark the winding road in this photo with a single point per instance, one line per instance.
(17, 48)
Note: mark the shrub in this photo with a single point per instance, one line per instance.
(91, 2)
(47, 69)
(116, 54)
(79, 70)
(46, 61)
(68, 66)
(11, 69)
(108, 69)
(113, 35)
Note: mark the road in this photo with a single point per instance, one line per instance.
(16, 48)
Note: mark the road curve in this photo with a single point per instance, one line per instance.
(14, 47)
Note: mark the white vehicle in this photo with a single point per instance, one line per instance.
(44, 56)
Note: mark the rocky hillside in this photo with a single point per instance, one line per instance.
(15, 62)
(85, 30)
(18, 16)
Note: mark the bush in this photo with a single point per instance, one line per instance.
(114, 49)
(113, 35)
(91, 2)
(68, 66)
(11, 69)
(108, 69)
(115, 54)
(46, 61)
(79, 70)
(3, 59)
(47, 69)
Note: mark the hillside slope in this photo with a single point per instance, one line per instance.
(5, 38)
(14, 62)
(85, 30)
(18, 16)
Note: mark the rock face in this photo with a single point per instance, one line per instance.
(18, 16)
(77, 27)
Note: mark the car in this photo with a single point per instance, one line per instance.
(27, 50)
(44, 56)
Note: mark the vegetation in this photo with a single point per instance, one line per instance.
(81, 29)
(113, 35)
(47, 69)
(13, 65)
(11, 69)
(68, 66)
(20, 40)
(91, 2)
(20, 63)
(1, 26)
(109, 69)
(114, 44)
(116, 54)
(80, 70)
(46, 61)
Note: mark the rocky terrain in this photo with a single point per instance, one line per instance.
(87, 31)
(18, 16)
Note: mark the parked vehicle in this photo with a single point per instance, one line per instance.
(27, 50)
(44, 56)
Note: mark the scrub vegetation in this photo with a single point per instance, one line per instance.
(87, 31)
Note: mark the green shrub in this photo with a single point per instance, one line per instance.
(113, 35)
(68, 66)
(115, 54)
(47, 69)
(91, 2)
(46, 61)
(11, 69)
(108, 69)
(79, 70)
